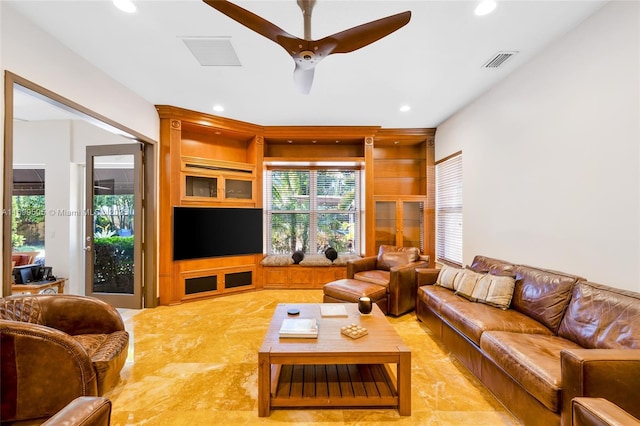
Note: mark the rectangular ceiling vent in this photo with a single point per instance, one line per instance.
(499, 59)
(212, 51)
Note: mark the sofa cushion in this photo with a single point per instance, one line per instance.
(601, 317)
(435, 296)
(277, 260)
(485, 265)
(473, 319)
(390, 256)
(374, 276)
(542, 295)
(494, 290)
(465, 282)
(533, 360)
(315, 260)
(447, 276)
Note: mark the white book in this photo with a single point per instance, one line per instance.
(299, 327)
(333, 310)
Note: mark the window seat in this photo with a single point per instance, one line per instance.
(313, 271)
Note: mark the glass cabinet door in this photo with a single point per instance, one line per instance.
(198, 186)
(413, 224)
(238, 189)
(385, 223)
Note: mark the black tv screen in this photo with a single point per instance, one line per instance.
(216, 231)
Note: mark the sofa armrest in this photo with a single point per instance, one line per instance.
(403, 287)
(599, 412)
(85, 411)
(358, 265)
(613, 374)
(41, 364)
(426, 276)
(75, 314)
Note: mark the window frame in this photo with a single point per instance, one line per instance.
(313, 210)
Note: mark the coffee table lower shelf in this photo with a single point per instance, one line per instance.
(328, 385)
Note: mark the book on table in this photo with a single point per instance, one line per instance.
(299, 328)
(333, 310)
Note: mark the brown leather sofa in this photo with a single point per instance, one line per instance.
(393, 268)
(561, 337)
(600, 412)
(54, 348)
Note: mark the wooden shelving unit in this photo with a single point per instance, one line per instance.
(210, 161)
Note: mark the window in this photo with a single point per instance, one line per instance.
(311, 210)
(28, 211)
(449, 209)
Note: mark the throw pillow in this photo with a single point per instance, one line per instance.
(297, 256)
(447, 276)
(465, 282)
(331, 253)
(494, 290)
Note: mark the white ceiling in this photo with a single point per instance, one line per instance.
(433, 64)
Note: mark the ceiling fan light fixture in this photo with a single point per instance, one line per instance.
(218, 108)
(485, 7)
(125, 5)
(405, 108)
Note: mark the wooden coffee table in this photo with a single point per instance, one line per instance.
(334, 370)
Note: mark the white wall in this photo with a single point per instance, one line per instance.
(551, 156)
(31, 53)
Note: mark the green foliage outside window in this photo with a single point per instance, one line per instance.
(311, 210)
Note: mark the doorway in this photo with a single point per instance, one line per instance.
(68, 196)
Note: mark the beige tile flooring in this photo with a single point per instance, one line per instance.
(196, 364)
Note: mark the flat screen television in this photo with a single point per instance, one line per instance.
(200, 232)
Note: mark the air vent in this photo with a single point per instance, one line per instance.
(212, 51)
(498, 59)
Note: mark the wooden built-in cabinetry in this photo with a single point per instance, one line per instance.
(401, 203)
(210, 161)
(301, 277)
(206, 161)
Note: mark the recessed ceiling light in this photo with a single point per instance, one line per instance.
(405, 108)
(218, 108)
(125, 5)
(485, 7)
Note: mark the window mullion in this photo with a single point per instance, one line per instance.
(313, 211)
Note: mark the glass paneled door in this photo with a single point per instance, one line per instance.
(399, 222)
(113, 246)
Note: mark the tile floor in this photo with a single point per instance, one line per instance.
(196, 364)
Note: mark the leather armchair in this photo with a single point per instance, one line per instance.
(83, 411)
(599, 412)
(55, 348)
(394, 268)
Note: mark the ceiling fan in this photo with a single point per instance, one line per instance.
(307, 53)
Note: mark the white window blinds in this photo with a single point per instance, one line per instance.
(449, 209)
(311, 210)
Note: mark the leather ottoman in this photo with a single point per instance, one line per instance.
(349, 291)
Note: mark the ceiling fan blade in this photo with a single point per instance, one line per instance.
(252, 21)
(303, 77)
(365, 34)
